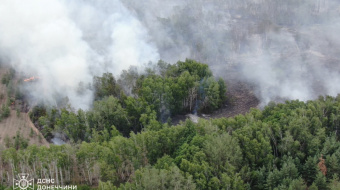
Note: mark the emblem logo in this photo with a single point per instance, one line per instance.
(23, 182)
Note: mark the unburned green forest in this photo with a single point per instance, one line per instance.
(127, 141)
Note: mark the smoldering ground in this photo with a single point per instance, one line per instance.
(286, 49)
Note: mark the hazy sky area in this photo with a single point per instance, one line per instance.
(288, 49)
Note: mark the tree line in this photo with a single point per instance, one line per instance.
(136, 101)
(294, 145)
(291, 145)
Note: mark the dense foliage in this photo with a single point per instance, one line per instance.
(136, 101)
(122, 142)
(286, 146)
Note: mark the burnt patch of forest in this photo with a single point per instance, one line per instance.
(240, 98)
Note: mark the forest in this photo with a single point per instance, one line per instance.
(85, 101)
(127, 140)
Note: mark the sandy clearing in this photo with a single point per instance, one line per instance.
(11, 125)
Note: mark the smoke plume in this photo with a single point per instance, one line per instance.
(65, 43)
(286, 49)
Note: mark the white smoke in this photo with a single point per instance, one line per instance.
(65, 43)
(287, 49)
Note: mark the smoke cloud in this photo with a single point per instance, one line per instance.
(286, 49)
(67, 43)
